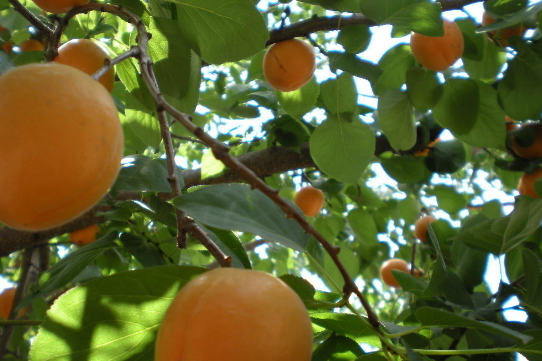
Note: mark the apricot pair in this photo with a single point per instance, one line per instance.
(61, 143)
(310, 200)
(289, 65)
(235, 315)
(438, 52)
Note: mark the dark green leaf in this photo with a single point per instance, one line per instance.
(404, 169)
(396, 118)
(145, 252)
(354, 38)
(446, 157)
(424, 89)
(354, 65)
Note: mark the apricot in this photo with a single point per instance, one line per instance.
(59, 6)
(420, 227)
(31, 45)
(6, 302)
(425, 152)
(310, 200)
(526, 183)
(8, 45)
(61, 144)
(510, 123)
(393, 264)
(233, 314)
(534, 148)
(84, 235)
(438, 52)
(501, 36)
(289, 65)
(88, 57)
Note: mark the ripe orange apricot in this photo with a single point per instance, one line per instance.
(420, 227)
(84, 235)
(233, 314)
(534, 149)
(393, 264)
(61, 143)
(59, 6)
(8, 45)
(6, 301)
(289, 65)
(501, 36)
(31, 45)
(438, 52)
(310, 200)
(526, 183)
(88, 57)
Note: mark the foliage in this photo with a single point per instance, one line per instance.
(105, 300)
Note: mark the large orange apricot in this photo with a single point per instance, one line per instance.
(534, 148)
(8, 45)
(84, 235)
(6, 302)
(420, 227)
(501, 36)
(233, 314)
(31, 45)
(61, 144)
(310, 200)
(526, 183)
(438, 52)
(88, 57)
(59, 6)
(393, 264)
(289, 65)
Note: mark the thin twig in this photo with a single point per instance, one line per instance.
(32, 19)
(109, 63)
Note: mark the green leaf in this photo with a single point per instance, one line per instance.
(489, 130)
(524, 220)
(221, 32)
(298, 102)
(337, 348)
(351, 6)
(396, 118)
(533, 282)
(231, 245)
(394, 64)
(446, 157)
(505, 6)
(354, 38)
(237, 207)
(520, 91)
(340, 95)
(72, 265)
(210, 166)
(342, 149)
(423, 88)
(363, 226)
(471, 264)
(354, 65)
(300, 285)
(146, 253)
(432, 317)
(343, 324)
(404, 169)
(484, 234)
(458, 107)
(415, 15)
(143, 174)
(115, 317)
(448, 199)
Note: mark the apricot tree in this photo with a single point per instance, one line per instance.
(214, 148)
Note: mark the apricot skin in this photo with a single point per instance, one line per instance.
(392, 264)
(87, 56)
(310, 200)
(31, 45)
(59, 6)
(84, 235)
(440, 52)
(235, 315)
(8, 45)
(526, 183)
(6, 301)
(61, 144)
(502, 35)
(289, 65)
(420, 227)
(534, 150)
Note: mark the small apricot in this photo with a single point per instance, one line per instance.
(393, 264)
(84, 235)
(438, 52)
(6, 302)
(61, 143)
(534, 148)
(420, 227)
(425, 152)
(526, 183)
(501, 36)
(88, 57)
(31, 45)
(310, 200)
(289, 65)
(59, 6)
(231, 314)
